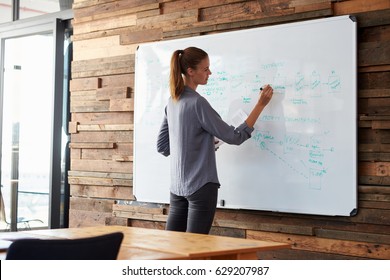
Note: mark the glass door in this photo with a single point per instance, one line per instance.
(26, 130)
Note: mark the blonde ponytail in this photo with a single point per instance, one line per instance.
(176, 81)
(182, 60)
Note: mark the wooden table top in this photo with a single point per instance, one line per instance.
(162, 244)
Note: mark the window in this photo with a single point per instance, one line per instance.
(5, 11)
(11, 10)
(33, 117)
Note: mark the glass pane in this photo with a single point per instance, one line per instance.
(31, 8)
(27, 117)
(5, 11)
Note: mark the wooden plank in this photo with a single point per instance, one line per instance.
(103, 66)
(374, 118)
(378, 80)
(75, 173)
(104, 118)
(265, 223)
(380, 124)
(374, 189)
(122, 158)
(374, 106)
(105, 127)
(118, 81)
(296, 254)
(144, 23)
(246, 10)
(374, 148)
(375, 68)
(377, 180)
(375, 34)
(103, 136)
(140, 216)
(149, 13)
(123, 182)
(77, 4)
(120, 153)
(72, 127)
(75, 153)
(85, 84)
(139, 209)
(365, 221)
(97, 181)
(373, 18)
(225, 24)
(169, 7)
(116, 221)
(108, 71)
(112, 10)
(365, 124)
(353, 236)
(101, 48)
(92, 145)
(187, 16)
(142, 36)
(306, 6)
(101, 165)
(374, 156)
(91, 204)
(117, 192)
(81, 218)
(325, 245)
(120, 105)
(374, 168)
(83, 95)
(89, 106)
(104, 24)
(375, 197)
(374, 216)
(146, 224)
(374, 53)
(372, 93)
(108, 93)
(359, 6)
(231, 232)
(90, 181)
(374, 205)
(371, 136)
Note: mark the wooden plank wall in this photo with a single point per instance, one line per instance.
(106, 35)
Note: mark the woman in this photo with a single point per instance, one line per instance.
(187, 134)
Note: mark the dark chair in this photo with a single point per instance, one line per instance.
(103, 247)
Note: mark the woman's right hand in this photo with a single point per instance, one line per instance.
(265, 95)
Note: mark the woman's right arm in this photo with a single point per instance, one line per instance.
(264, 99)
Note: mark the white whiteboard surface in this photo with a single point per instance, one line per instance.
(301, 157)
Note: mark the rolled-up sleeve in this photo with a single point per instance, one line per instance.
(163, 137)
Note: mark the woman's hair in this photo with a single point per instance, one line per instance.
(182, 60)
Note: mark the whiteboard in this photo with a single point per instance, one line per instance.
(301, 157)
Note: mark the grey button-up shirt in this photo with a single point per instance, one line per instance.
(187, 135)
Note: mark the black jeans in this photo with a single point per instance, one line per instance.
(194, 213)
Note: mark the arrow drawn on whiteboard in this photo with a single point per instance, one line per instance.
(286, 163)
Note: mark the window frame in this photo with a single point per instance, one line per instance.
(55, 23)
